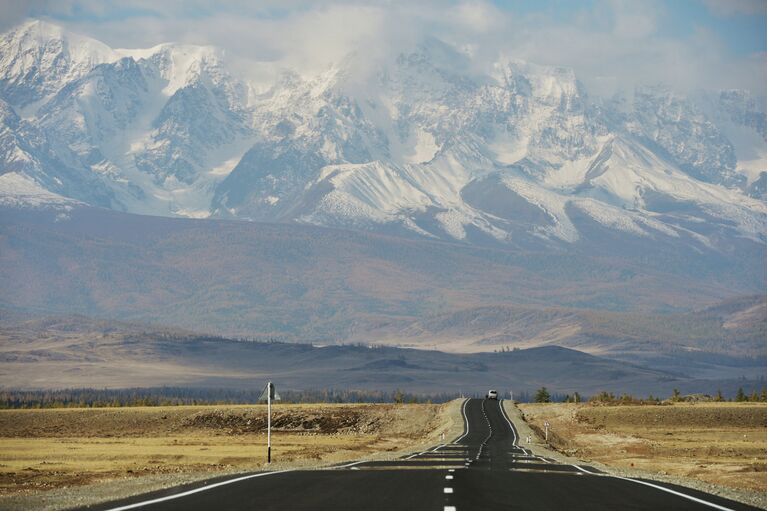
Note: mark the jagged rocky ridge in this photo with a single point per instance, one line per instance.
(426, 145)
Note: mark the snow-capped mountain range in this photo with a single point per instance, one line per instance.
(427, 144)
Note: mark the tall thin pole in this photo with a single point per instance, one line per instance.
(269, 423)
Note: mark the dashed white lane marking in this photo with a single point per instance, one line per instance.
(196, 490)
(451, 470)
(448, 477)
(448, 490)
(449, 508)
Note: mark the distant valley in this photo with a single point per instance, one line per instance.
(324, 286)
(421, 200)
(76, 352)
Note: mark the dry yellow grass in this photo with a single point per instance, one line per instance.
(720, 443)
(45, 449)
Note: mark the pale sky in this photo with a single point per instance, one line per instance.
(611, 44)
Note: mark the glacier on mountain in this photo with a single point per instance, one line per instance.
(426, 144)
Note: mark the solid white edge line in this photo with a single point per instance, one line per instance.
(435, 449)
(446, 490)
(262, 474)
(508, 421)
(465, 422)
(662, 488)
(196, 490)
(680, 494)
(440, 446)
(343, 466)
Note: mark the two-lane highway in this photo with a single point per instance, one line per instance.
(505, 475)
(484, 469)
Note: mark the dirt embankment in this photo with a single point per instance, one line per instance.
(719, 443)
(53, 458)
(224, 420)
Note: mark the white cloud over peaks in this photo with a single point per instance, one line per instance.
(611, 44)
(634, 19)
(476, 17)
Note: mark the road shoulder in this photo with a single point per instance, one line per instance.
(539, 446)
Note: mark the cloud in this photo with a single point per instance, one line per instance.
(12, 12)
(611, 44)
(476, 17)
(729, 8)
(634, 20)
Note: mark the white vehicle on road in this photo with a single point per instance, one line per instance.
(492, 394)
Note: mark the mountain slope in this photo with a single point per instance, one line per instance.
(304, 282)
(429, 144)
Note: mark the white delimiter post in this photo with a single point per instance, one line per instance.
(269, 422)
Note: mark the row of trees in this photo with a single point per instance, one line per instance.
(542, 395)
(742, 397)
(175, 396)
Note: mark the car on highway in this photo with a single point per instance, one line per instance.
(492, 394)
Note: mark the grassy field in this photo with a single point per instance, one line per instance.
(57, 448)
(720, 443)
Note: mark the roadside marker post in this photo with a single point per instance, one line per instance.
(269, 424)
(269, 394)
(546, 425)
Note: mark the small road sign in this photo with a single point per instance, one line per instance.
(269, 394)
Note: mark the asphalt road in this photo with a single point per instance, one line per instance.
(484, 469)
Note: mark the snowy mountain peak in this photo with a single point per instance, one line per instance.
(38, 58)
(548, 82)
(181, 64)
(423, 143)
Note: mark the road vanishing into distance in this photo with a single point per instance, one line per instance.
(484, 469)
